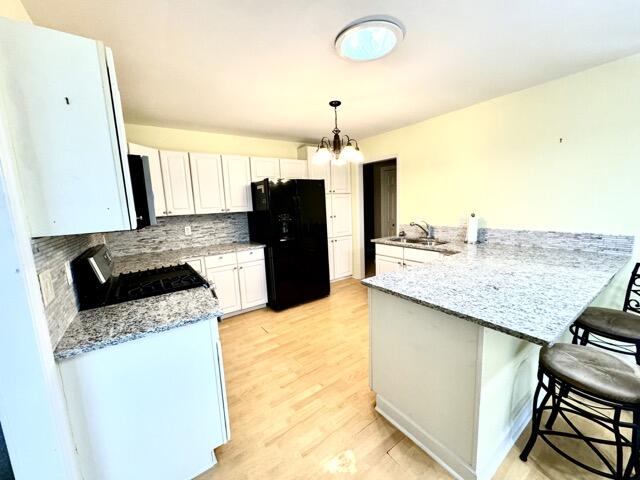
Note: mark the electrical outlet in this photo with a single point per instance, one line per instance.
(187, 230)
(46, 287)
(67, 270)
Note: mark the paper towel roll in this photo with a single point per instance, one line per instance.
(472, 229)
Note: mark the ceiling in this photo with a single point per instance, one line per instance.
(268, 68)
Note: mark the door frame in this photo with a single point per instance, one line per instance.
(384, 189)
(357, 187)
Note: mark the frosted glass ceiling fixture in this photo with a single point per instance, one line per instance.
(369, 38)
(340, 150)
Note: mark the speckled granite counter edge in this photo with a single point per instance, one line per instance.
(91, 347)
(488, 323)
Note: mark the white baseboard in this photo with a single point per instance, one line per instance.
(441, 454)
(490, 467)
(233, 314)
(445, 457)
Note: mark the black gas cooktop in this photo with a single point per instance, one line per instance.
(97, 286)
(147, 283)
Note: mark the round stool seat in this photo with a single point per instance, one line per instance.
(593, 371)
(612, 322)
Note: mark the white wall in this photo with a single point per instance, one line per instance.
(504, 160)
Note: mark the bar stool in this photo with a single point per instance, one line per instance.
(597, 325)
(583, 381)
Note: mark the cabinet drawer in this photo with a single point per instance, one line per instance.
(250, 255)
(221, 260)
(417, 255)
(389, 250)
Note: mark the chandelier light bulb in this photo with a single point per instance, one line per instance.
(322, 156)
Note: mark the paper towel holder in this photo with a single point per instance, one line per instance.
(472, 229)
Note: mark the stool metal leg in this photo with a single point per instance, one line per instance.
(585, 337)
(536, 418)
(638, 353)
(563, 392)
(634, 461)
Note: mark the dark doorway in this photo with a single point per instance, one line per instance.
(380, 192)
(6, 473)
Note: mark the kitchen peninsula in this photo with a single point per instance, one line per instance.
(454, 343)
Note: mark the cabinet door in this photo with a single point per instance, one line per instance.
(176, 177)
(329, 208)
(208, 186)
(237, 183)
(290, 169)
(264, 167)
(156, 176)
(331, 269)
(341, 213)
(387, 264)
(342, 261)
(320, 172)
(60, 114)
(253, 284)
(409, 264)
(224, 281)
(341, 178)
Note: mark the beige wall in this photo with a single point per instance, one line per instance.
(207, 142)
(504, 160)
(14, 10)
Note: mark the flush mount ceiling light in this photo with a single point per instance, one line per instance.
(340, 150)
(369, 38)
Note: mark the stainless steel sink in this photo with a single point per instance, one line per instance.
(429, 242)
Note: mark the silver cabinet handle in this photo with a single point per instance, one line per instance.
(239, 268)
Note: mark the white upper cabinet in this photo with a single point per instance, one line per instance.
(208, 183)
(237, 183)
(60, 106)
(321, 172)
(337, 178)
(264, 167)
(341, 214)
(176, 175)
(341, 178)
(292, 169)
(156, 175)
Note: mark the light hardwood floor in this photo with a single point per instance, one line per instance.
(300, 405)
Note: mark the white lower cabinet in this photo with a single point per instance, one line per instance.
(387, 264)
(340, 257)
(390, 258)
(239, 280)
(253, 284)
(154, 407)
(225, 283)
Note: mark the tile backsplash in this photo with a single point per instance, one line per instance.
(169, 234)
(51, 253)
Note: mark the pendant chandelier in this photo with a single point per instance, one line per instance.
(339, 151)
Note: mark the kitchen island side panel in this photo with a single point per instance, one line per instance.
(425, 372)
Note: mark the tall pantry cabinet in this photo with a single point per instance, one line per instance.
(337, 184)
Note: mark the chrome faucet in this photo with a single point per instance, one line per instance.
(425, 230)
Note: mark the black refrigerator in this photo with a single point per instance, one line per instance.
(290, 219)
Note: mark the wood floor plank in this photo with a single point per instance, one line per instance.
(300, 405)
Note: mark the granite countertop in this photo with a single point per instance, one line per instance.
(144, 261)
(113, 324)
(528, 292)
(104, 326)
